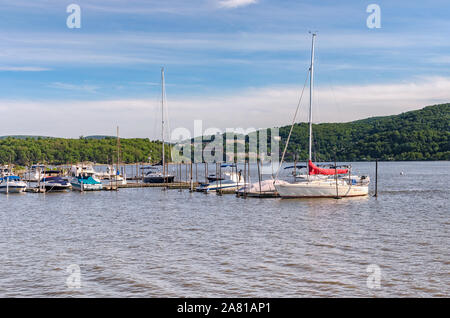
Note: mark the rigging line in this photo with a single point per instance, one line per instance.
(293, 123)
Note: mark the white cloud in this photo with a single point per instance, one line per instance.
(231, 4)
(23, 69)
(193, 48)
(74, 87)
(254, 108)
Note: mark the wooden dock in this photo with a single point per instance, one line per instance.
(261, 195)
(174, 185)
(114, 187)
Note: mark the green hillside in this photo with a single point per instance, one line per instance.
(415, 135)
(29, 150)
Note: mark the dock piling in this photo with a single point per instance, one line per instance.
(376, 178)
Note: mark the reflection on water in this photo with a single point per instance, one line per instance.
(149, 242)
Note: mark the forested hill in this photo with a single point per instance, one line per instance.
(27, 150)
(416, 135)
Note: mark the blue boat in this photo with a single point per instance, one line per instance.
(55, 184)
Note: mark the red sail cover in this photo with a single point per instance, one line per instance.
(313, 169)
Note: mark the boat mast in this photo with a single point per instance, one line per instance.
(162, 119)
(311, 87)
(118, 158)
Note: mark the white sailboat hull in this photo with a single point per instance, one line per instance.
(320, 190)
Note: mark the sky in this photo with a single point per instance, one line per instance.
(229, 63)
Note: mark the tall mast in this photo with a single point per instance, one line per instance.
(118, 150)
(162, 119)
(118, 157)
(311, 87)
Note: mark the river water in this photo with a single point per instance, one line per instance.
(148, 242)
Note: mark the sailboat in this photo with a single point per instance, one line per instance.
(322, 182)
(158, 176)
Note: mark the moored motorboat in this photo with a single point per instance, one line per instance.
(112, 175)
(232, 182)
(12, 184)
(158, 177)
(86, 183)
(35, 173)
(55, 184)
(5, 171)
(84, 178)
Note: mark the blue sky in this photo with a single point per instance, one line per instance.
(231, 63)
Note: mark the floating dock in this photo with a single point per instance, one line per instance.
(174, 185)
(114, 187)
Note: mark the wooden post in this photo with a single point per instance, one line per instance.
(196, 172)
(192, 180)
(336, 177)
(259, 175)
(237, 176)
(248, 170)
(118, 159)
(39, 178)
(376, 178)
(177, 177)
(245, 177)
(220, 178)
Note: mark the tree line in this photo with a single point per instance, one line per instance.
(25, 151)
(416, 135)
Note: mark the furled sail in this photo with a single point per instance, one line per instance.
(313, 169)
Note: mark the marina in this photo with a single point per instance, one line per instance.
(147, 242)
(245, 180)
(232, 156)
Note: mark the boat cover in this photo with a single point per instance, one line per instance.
(11, 178)
(313, 169)
(88, 180)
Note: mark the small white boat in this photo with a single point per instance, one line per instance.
(84, 178)
(158, 177)
(82, 169)
(12, 184)
(5, 171)
(112, 176)
(35, 173)
(233, 182)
